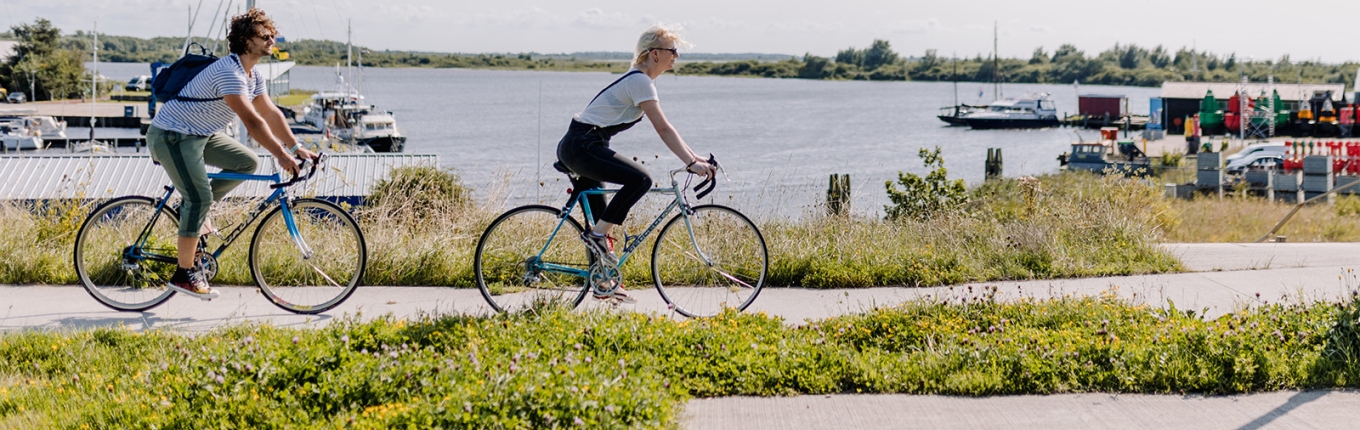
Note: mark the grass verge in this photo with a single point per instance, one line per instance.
(1053, 227)
(554, 368)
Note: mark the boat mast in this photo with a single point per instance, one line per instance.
(996, 64)
(349, 55)
(955, 77)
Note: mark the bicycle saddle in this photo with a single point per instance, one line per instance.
(564, 169)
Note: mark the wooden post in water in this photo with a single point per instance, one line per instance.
(994, 164)
(838, 195)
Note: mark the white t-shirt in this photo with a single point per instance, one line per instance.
(620, 103)
(224, 77)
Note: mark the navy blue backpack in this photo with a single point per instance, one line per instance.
(173, 79)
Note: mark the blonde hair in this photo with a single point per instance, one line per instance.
(654, 37)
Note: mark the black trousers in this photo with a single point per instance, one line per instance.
(585, 150)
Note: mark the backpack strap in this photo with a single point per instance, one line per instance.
(616, 82)
(233, 57)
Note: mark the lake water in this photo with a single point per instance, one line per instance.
(778, 139)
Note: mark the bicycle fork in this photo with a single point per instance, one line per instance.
(293, 229)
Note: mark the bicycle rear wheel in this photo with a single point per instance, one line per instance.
(517, 254)
(315, 271)
(114, 267)
(722, 264)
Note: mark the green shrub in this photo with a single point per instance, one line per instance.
(421, 191)
(924, 198)
(553, 368)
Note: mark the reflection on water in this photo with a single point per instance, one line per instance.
(778, 138)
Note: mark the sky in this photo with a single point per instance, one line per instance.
(1324, 30)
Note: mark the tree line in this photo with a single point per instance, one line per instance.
(1120, 65)
(51, 64)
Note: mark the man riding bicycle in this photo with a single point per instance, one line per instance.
(585, 147)
(186, 136)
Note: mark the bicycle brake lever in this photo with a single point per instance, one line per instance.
(714, 161)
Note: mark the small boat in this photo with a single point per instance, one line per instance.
(91, 147)
(353, 122)
(1102, 158)
(1035, 111)
(18, 132)
(954, 115)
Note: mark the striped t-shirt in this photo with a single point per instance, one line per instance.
(223, 78)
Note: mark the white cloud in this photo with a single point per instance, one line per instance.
(805, 27)
(516, 19)
(917, 25)
(594, 18)
(715, 23)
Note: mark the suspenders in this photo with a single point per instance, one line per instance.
(616, 82)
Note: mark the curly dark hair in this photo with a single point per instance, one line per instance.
(246, 26)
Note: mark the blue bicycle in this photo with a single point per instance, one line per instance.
(705, 259)
(307, 255)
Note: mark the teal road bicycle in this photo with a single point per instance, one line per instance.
(306, 256)
(705, 259)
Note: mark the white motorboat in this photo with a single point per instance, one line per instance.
(1035, 111)
(17, 132)
(347, 118)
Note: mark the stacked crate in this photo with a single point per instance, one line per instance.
(1209, 172)
(1286, 186)
(1317, 177)
(1260, 183)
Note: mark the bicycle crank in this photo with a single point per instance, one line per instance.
(207, 264)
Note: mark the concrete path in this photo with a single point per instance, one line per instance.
(1278, 410)
(1222, 278)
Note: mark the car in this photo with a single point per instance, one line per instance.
(1257, 148)
(139, 83)
(1258, 161)
(17, 97)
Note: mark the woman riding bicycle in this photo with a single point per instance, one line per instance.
(585, 148)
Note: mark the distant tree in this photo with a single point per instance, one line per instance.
(39, 63)
(1184, 60)
(928, 61)
(1159, 57)
(879, 54)
(1231, 62)
(1067, 51)
(1039, 56)
(850, 56)
(1130, 56)
(815, 67)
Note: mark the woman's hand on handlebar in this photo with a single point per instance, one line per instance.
(702, 168)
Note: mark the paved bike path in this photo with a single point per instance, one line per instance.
(1221, 278)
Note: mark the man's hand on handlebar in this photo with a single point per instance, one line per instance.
(290, 164)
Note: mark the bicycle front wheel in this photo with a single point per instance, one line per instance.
(713, 259)
(118, 269)
(532, 257)
(315, 270)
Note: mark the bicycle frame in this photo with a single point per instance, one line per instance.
(279, 195)
(630, 244)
